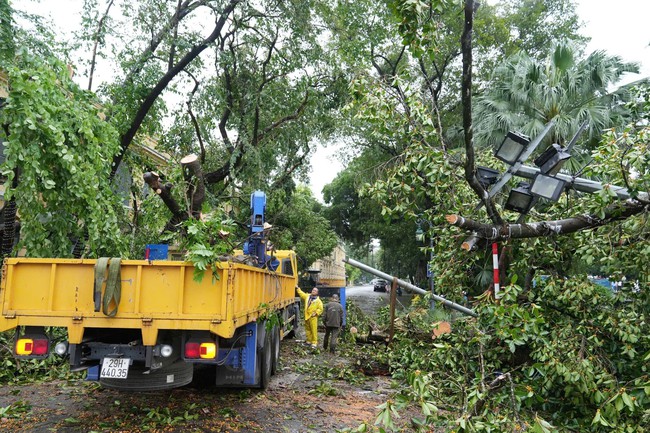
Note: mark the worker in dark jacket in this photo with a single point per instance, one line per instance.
(333, 321)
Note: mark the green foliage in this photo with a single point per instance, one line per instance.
(416, 21)
(326, 373)
(323, 389)
(59, 152)
(299, 224)
(270, 318)
(157, 417)
(206, 242)
(526, 93)
(7, 43)
(522, 21)
(564, 357)
(15, 410)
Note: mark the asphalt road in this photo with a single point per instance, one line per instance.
(370, 301)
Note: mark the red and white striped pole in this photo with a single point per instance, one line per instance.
(495, 267)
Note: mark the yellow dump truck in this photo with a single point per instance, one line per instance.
(145, 324)
(164, 322)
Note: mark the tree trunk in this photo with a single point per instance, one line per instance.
(193, 175)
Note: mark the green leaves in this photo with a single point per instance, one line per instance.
(563, 57)
(387, 414)
(206, 242)
(59, 148)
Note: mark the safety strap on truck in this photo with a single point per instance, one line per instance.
(113, 290)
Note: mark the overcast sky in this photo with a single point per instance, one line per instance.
(618, 27)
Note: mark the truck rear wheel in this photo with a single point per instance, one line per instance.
(265, 361)
(275, 346)
(174, 375)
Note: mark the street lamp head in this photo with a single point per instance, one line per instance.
(511, 148)
(520, 199)
(486, 176)
(547, 187)
(552, 159)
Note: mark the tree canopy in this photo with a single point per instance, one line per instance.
(246, 87)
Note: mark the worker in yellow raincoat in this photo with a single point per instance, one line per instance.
(313, 309)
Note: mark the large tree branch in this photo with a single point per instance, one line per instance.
(97, 37)
(156, 39)
(265, 80)
(172, 49)
(227, 110)
(164, 191)
(466, 97)
(193, 119)
(193, 175)
(496, 233)
(217, 175)
(162, 84)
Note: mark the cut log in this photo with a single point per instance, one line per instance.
(193, 175)
(440, 329)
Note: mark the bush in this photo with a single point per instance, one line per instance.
(566, 356)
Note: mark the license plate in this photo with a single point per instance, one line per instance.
(115, 368)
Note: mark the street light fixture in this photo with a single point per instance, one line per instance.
(511, 148)
(520, 198)
(547, 187)
(486, 176)
(552, 159)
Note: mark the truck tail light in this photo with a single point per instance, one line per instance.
(196, 350)
(192, 350)
(32, 346)
(208, 351)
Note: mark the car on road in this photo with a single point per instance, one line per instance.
(380, 286)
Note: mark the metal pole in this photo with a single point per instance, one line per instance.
(579, 183)
(408, 286)
(431, 276)
(495, 268)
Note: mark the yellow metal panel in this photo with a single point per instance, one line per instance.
(30, 288)
(159, 289)
(72, 287)
(206, 297)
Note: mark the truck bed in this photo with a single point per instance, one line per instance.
(154, 296)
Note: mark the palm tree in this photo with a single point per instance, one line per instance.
(525, 94)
